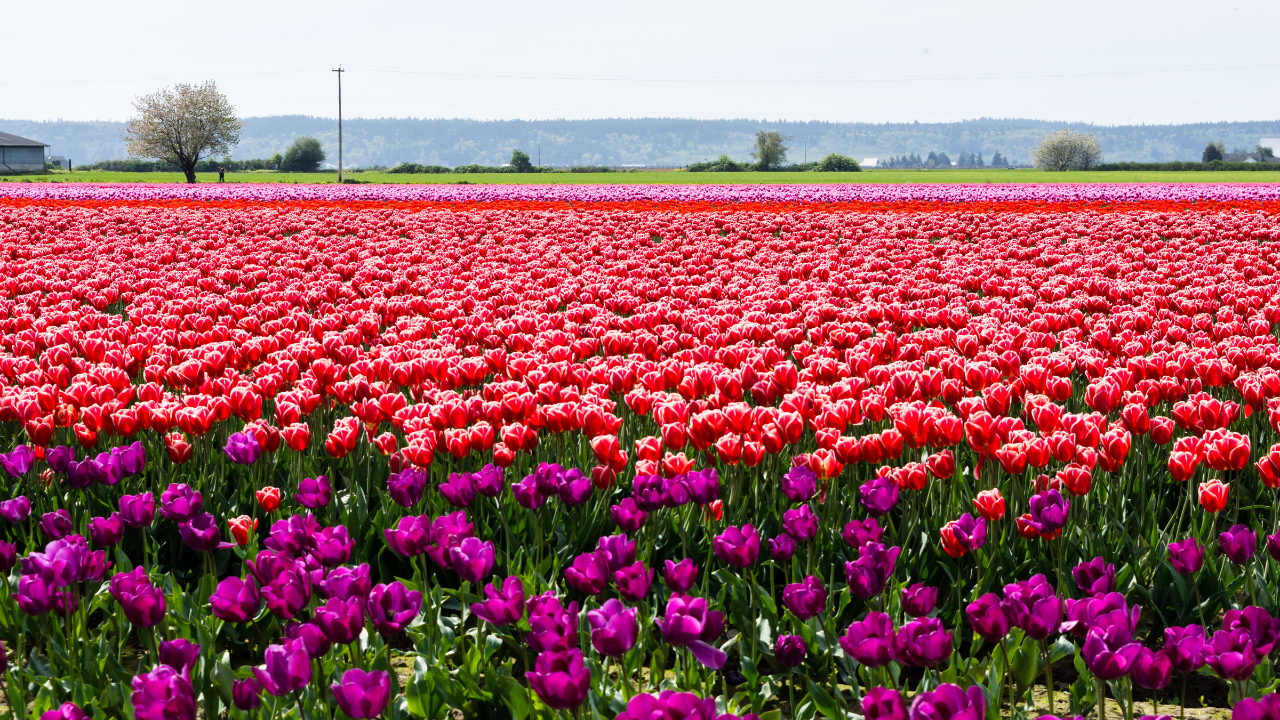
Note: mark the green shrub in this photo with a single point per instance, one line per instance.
(837, 163)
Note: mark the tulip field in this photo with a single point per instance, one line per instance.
(912, 452)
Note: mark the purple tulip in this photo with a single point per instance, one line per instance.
(588, 574)
(1273, 545)
(1110, 652)
(738, 547)
(505, 606)
(704, 485)
(180, 654)
(805, 599)
(1048, 512)
(410, 537)
(633, 582)
(314, 492)
(406, 487)
(293, 535)
(287, 593)
(1034, 607)
(341, 620)
(879, 496)
(489, 481)
(870, 640)
(1268, 708)
(680, 576)
(547, 477)
(246, 694)
(59, 458)
(688, 623)
(35, 595)
(678, 493)
(553, 627)
(16, 510)
(18, 461)
(180, 502)
(574, 487)
(82, 474)
(618, 551)
(789, 650)
(236, 600)
(268, 565)
(1238, 544)
(8, 556)
(286, 668)
(332, 546)
(527, 494)
(242, 448)
(988, 618)
(1151, 670)
(67, 711)
(782, 548)
(883, 704)
(447, 531)
(969, 532)
(347, 583)
(560, 679)
(801, 523)
(201, 534)
(312, 637)
(673, 705)
(132, 458)
(862, 532)
(459, 489)
(1232, 655)
(614, 628)
(1104, 611)
(361, 694)
(473, 559)
(649, 492)
(1186, 647)
(142, 602)
(919, 600)
(1262, 628)
(138, 511)
(1095, 577)
(949, 702)
(628, 516)
(163, 693)
(922, 643)
(868, 574)
(107, 531)
(800, 484)
(109, 471)
(393, 606)
(57, 524)
(61, 563)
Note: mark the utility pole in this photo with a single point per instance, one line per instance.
(339, 71)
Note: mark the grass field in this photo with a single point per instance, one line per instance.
(687, 178)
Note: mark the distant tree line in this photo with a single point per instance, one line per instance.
(304, 155)
(770, 155)
(1190, 165)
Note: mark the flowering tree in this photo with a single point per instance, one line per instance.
(1067, 150)
(181, 123)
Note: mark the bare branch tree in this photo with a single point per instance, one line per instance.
(182, 123)
(1067, 150)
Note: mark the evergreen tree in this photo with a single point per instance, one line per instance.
(979, 162)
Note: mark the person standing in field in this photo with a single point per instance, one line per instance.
(222, 174)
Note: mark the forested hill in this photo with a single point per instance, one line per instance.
(654, 141)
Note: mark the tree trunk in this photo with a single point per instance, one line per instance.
(189, 169)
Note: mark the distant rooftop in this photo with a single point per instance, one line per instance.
(9, 140)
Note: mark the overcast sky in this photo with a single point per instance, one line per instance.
(1110, 61)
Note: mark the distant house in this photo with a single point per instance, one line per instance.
(1252, 157)
(58, 160)
(18, 154)
(870, 162)
(1273, 143)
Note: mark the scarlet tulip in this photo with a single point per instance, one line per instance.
(1213, 495)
